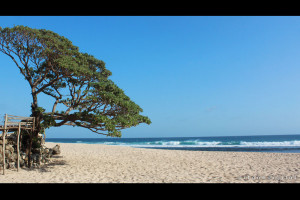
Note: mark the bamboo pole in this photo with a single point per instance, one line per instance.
(3, 151)
(3, 145)
(33, 124)
(18, 117)
(18, 146)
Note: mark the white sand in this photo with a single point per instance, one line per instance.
(94, 163)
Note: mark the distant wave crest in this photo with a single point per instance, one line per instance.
(197, 143)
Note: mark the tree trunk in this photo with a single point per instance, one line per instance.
(34, 134)
(29, 150)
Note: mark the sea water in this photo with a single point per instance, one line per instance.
(262, 143)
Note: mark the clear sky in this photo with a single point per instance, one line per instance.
(192, 75)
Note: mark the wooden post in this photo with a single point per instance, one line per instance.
(3, 151)
(3, 145)
(33, 124)
(18, 146)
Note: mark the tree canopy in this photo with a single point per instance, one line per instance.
(78, 81)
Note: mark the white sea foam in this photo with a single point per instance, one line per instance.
(272, 144)
(256, 143)
(196, 143)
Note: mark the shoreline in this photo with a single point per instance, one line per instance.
(271, 143)
(99, 163)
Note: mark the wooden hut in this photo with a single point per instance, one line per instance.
(11, 124)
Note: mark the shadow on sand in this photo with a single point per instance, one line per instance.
(55, 161)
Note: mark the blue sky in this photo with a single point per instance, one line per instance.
(192, 75)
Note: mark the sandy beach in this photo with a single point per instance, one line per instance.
(95, 163)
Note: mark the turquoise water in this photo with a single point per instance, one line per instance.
(263, 143)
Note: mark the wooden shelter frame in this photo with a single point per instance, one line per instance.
(15, 123)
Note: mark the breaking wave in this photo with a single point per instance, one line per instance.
(197, 143)
(227, 143)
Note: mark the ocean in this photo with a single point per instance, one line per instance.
(262, 143)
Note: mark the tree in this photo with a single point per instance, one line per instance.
(77, 82)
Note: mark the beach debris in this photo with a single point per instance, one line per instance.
(56, 150)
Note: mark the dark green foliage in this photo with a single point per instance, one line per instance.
(54, 66)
